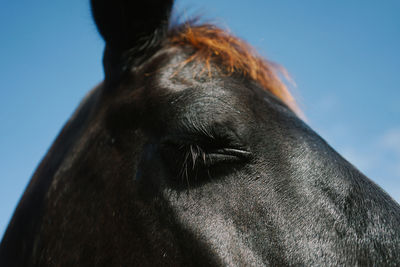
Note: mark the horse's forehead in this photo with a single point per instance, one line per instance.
(202, 97)
(170, 70)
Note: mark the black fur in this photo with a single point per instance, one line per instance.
(132, 30)
(167, 168)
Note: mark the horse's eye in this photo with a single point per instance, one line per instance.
(202, 155)
(185, 158)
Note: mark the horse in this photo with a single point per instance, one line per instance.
(192, 152)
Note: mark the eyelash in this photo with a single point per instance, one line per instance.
(189, 161)
(192, 153)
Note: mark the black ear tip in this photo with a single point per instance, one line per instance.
(108, 19)
(127, 23)
(132, 30)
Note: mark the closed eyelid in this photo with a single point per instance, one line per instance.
(205, 139)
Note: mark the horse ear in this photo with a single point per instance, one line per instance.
(131, 26)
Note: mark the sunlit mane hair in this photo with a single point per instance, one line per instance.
(234, 55)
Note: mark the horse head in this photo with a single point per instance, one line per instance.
(192, 152)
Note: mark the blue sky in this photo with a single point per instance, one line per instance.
(343, 55)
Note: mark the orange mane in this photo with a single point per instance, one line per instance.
(234, 55)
